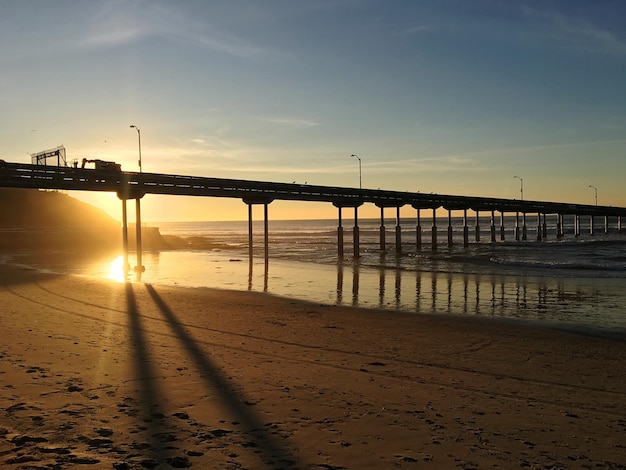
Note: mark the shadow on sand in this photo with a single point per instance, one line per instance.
(263, 442)
(151, 414)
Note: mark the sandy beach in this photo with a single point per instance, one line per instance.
(101, 374)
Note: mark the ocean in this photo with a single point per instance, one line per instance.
(576, 282)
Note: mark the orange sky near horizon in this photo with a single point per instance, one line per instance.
(162, 208)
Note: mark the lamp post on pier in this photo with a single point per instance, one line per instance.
(595, 191)
(140, 267)
(359, 159)
(139, 139)
(521, 187)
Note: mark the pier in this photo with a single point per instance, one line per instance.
(134, 185)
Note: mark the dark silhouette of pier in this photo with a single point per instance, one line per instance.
(133, 185)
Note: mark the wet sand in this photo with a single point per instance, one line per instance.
(112, 375)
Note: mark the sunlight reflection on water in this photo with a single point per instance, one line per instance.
(581, 301)
(116, 270)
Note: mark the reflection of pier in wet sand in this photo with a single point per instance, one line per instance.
(498, 296)
(504, 296)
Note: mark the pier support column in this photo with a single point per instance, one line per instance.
(477, 227)
(591, 225)
(140, 268)
(266, 235)
(465, 230)
(538, 227)
(398, 232)
(502, 231)
(524, 237)
(492, 224)
(517, 226)
(559, 227)
(250, 246)
(606, 224)
(418, 232)
(339, 236)
(434, 232)
(576, 225)
(619, 223)
(355, 234)
(545, 227)
(126, 266)
(449, 227)
(382, 230)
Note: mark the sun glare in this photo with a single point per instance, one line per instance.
(116, 271)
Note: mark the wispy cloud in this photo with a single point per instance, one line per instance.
(430, 164)
(291, 122)
(575, 34)
(471, 161)
(418, 29)
(119, 22)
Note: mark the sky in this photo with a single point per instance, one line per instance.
(443, 96)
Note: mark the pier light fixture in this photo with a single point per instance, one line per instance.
(139, 139)
(521, 187)
(595, 191)
(359, 159)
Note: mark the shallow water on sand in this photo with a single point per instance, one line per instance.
(576, 282)
(584, 302)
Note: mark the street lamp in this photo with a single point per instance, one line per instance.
(596, 192)
(138, 137)
(359, 159)
(521, 186)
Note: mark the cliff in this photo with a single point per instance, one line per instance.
(49, 220)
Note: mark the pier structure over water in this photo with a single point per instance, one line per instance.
(133, 185)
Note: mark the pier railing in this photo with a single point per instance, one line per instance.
(132, 185)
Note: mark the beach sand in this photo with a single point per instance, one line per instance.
(98, 374)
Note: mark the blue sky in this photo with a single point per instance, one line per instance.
(444, 96)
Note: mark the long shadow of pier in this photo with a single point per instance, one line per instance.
(150, 411)
(272, 452)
